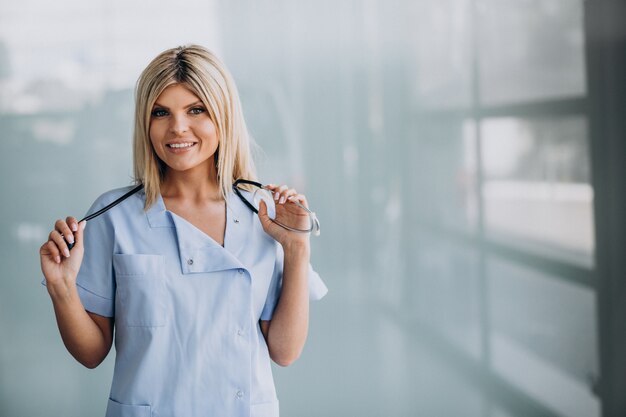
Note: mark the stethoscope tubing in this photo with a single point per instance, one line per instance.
(314, 225)
(106, 208)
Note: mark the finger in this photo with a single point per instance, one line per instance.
(80, 233)
(278, 191)
(300, 198)
(63, 229)
(72, 223)
(57, 239)
(271, 188)
(50, 250)
(286, 194)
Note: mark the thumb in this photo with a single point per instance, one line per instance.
(262, 208)
(263, 213)
(78, 235)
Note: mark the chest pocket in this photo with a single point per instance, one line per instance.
(139, 297)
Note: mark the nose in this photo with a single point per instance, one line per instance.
(179, 125)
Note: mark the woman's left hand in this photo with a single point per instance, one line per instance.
(287, 213)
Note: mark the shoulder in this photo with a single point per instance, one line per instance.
(244, 193)
(112, 195)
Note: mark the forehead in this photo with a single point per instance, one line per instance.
(177, 94)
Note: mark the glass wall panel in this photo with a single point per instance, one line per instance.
(537, 183)
(443, 173)
(545, 347)
(443, 50)
(530, 50)
(446, 288)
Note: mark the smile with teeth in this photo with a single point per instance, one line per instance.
(180, 145)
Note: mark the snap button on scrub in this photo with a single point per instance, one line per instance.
(240, 394)
(240, 271)
(239, 332)
(189, 261)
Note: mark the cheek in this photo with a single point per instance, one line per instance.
(155, 132)
(210, 132)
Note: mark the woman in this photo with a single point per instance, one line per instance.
(201, 291)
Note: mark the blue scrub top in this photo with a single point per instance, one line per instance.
(186, 309)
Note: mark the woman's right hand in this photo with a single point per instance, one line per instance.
(60, 265)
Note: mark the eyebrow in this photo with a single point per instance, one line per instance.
(186, 107)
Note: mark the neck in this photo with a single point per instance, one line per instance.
(194, 185)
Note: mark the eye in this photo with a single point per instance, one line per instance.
(197, 110)
(159, 112)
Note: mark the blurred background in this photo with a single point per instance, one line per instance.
(465, 158)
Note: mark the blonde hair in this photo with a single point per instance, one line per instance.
(206, 76)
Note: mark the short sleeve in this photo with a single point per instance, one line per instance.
(96, 279)
(317, 288)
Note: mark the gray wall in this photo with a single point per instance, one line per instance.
(445, 146)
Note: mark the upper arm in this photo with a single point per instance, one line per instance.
(106, 327)
(96, 278)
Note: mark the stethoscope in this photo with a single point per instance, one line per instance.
(259, 193)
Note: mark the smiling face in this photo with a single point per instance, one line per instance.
(181, 131)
